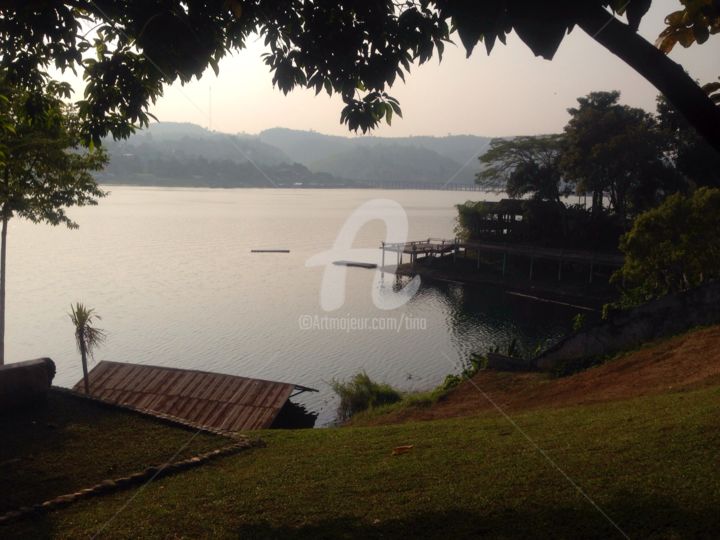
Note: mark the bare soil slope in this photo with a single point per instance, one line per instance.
(683, 362)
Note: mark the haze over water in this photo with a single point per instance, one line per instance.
(171, 273)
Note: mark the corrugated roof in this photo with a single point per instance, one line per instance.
(209, 400)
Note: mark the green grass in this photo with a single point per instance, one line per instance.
(68, 444)
(651, 464)
(411, 400)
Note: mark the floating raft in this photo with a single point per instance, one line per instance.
(355, 264)
(269, 251)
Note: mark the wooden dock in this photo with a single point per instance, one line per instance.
(439, 247)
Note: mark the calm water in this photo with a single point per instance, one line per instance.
(171, 273)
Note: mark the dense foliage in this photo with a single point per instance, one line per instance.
(624, 159)
(615, 151)
(45, 167)
(673, 247)
(128, 50)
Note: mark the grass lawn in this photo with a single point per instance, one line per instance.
(69, 444)
(652, 464)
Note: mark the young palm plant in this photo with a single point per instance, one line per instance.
(87, 336)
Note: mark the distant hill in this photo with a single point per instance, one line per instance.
(341, 156)
(184, 154)
(389, 162)
(305, 146)
(190, 140)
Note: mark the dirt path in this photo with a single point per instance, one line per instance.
(688, 361)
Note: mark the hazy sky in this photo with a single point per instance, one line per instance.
(508, 93)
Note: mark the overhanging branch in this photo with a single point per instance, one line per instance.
(667, 76)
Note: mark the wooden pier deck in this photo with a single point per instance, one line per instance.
(438, 247)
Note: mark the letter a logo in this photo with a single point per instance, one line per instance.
(332, 291)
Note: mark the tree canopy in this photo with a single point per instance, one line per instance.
(43, 168)
(524, 165)
(607, 150)
(673, 247)
(617, 151)
(129, 49)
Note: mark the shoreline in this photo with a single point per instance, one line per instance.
(286, 186)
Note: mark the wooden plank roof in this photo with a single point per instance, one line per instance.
(200, 398)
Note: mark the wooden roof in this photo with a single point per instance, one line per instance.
(200, 398)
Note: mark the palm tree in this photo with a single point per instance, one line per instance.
(86, 335)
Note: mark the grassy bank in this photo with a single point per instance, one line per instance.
(650, 463)
(69, 444)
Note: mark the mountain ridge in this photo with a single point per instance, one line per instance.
(186, 154)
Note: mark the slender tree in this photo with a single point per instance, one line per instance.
(43, 167)
(87, 336)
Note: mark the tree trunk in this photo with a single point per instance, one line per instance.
(3, 248)
(597, 202)
(83, 356)
(667, 76)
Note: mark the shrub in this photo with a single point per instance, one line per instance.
(471, 366)
(579, 322)
(672, 248)
(361, 393)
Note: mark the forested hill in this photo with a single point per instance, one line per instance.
(182, 154)
(424, 159)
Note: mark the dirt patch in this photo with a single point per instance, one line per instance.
(683, 362)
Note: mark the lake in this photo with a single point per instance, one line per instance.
(171, 273)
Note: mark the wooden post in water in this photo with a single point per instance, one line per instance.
(504, 262)
(382, 265)
(560, 270)
(478, 258)
(532, 264)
